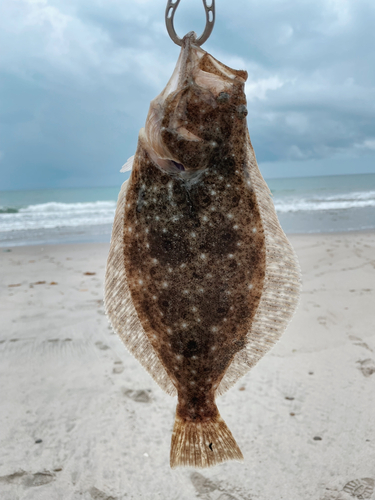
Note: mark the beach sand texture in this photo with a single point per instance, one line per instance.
(81, 419)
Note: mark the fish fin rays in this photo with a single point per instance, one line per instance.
(202, 444)
(119, 306)
(281, 288)
(128, 165)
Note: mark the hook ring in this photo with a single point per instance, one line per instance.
(210, 21)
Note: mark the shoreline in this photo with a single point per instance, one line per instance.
(96, 242)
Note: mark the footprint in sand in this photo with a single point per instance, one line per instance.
(29, 480)
(97, 494)
(367, 366)
(203, 485)
(101, 346)
(359, 342)
(38, 479)
(119, 367)
(15, 478)
(208, 490)
(140, 396)
(360, 488)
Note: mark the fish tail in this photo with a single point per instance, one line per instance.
(202, 444)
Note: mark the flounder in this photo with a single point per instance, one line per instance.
(201, 280)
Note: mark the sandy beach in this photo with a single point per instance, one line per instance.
(81, 419)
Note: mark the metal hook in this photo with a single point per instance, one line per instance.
(210, 21)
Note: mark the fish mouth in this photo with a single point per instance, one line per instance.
(190, 120)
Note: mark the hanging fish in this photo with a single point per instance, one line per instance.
(201, 281)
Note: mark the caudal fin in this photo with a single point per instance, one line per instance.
(202, 444)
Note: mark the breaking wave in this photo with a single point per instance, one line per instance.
(360, 199)
(53, 215)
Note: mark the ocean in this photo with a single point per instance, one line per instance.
(304, 205)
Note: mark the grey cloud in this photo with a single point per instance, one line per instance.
(77, 78)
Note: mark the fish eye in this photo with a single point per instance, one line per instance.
(170, 166)
(223, 97)
(179, 166)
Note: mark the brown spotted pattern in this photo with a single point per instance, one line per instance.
(194, 245)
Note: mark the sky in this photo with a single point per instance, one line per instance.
(77, 77)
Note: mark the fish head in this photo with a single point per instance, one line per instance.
(193, 122)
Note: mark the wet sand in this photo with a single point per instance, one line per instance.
(80, 418)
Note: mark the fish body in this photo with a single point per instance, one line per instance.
(201, 280)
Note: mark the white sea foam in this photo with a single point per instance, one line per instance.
(54, 215)
(360, 199)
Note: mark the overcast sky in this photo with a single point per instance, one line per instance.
(77, 76)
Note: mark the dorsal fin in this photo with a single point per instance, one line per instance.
(281, 287)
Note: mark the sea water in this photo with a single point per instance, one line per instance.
(303, 205)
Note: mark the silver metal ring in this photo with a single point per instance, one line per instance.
(210, 21)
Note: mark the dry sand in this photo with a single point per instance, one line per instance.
(80, 418)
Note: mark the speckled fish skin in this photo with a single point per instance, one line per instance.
(194, 251)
